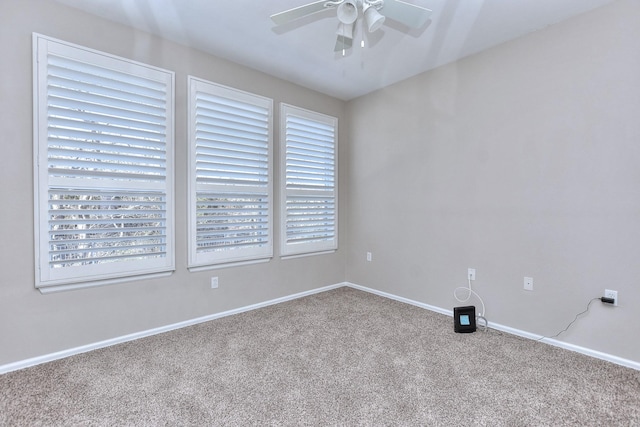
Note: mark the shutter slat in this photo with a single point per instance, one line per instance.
(221, 134)
(82, 99)
(79, 145)
(134, 82)
(316, 127)
(231, 245)
(57, 134)
(302, 138)
(82, 106)
(237, 233)
(231, 164)
(123, 214)
(231, 123)
(95, 130)
(247, 134)
(311, 172)
(229, 176)
(72, 155)
(91, 175)
(97, 165)
(104, 258)
(227, 104)
(103, 246)
(63, 234)
(72, 115)
(114, 93)
(310, 151)
(312, 162)
(228, 150)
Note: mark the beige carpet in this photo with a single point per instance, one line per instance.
(342, 357)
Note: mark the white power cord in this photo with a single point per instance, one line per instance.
(471, 292)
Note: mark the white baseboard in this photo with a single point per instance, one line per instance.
(85, 348)
(583, 350)
(401, 299)
(118, 340)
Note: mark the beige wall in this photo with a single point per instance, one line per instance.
(32, 324)
(520, 161)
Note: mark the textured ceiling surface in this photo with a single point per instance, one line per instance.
(303, 51)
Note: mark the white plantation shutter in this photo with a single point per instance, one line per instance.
(309, 200)
(230, 175)
(103, 133)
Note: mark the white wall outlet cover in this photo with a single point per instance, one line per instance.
(528, 283)
(471, 273)
(214, 282)
(611, 294)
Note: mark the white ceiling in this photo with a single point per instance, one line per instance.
(302, 51)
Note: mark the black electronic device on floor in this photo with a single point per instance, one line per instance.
(464, 319)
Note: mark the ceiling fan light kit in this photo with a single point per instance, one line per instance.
(345, 30)
(348, 12)
(373, 18)
(374, 13)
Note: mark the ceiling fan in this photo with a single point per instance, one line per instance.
(374, 13)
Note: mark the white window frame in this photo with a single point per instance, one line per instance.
(155, 189)
(327, 239)
(236, 241)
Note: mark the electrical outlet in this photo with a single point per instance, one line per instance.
(369, 256)
(611, 294)
(471, 273)
(528, 283)
(214, 282)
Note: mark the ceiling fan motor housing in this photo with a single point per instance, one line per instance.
(374, 14)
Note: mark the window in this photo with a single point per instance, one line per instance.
(308, 183)
(230, 189)
(103, 148)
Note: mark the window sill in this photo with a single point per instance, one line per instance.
(195, 269)
(284, 257)
(71, 287)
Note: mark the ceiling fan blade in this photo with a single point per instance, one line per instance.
(408, 14)
(298, 12)
(343, 43)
